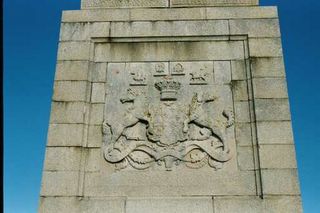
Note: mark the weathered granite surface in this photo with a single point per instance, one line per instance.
(170, 110)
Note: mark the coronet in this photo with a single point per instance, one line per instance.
(168, 88)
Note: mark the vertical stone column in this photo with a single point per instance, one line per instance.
(225, 56)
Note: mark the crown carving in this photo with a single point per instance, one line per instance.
(168, 88)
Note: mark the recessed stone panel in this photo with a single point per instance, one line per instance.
(141, 94)
(150, 128)
(174, 112)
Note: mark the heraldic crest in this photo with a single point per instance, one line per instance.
(161, 121)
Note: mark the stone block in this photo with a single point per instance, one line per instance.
(169, 51)
(62, 159)
(222, 72)
(74, 31)
(72, 70)
(155, 14)
(98, 72)
(272, 110)
(169, 28)
(240, 90)
(270, 204)
(277, 156)
(67, 112)
(270, 88)
(267, 67)
(74, 50)
(94, 156)
(96, 114)
(169, 205)
(70, 91)
(245, 158)
(280, 182)
(243, 134)
(65, 134)
(275, 132)
(76, 205)
(283, 204)
(168, 14)
(98, 93)
(101, 15)
(238, 70)
(84, 31)
(59, 183)
(105, 205)
(99, 29)
(95, 136)
(241, 109)
(59, 204)
(255, 27)
(241, 12)
(151, 183)
(265, 47)
(192, 3)
(90, 4)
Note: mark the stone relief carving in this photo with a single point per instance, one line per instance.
(138, 78)
(167, 132)
(168, 88)
(199, 76)
(178, 69)
(160, 70)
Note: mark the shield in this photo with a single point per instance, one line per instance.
(166, 123)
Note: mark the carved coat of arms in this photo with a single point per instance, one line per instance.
(166, 119)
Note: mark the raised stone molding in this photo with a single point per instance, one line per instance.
(170, 14)
(93, 4)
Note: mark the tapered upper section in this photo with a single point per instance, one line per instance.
(92, 4)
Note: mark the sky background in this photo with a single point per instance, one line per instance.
(31, 31)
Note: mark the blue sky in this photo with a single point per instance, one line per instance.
(31, 30)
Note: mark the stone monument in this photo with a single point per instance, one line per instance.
(170, 106)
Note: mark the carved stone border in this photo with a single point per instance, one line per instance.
(245, 40)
